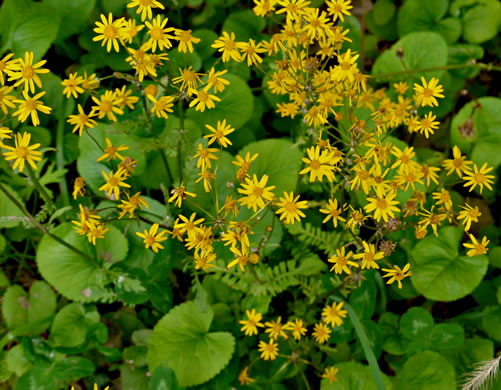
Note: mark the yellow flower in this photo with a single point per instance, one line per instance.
(90, 83)
(190, 225)
(81, 121)
(244, 164)
(443, 197)
(334, 314)
(215, 81)
(477, 248)
(256, 192)
(290, 208)
(269, 351)
(338, 8)
(124, 98)
(347, 67)
(6, 99)
(330, 372)
(479, 177)
(250, 52)
(159, 34)
(227, 45)
(71, 86)
(113, 184)
(242, 257)
(106, 106)
(111, 152)
(275, 329)
(23, 152)
(297, 327)
(263, 7)
(318, 164)
(4, 64)
(316, 25)
(96, 230)
(144, 7)
(357, 218)
(341, 260)
(397, 274)
(369, 257)
(220, 133)
(30, 106)
(203, 99)
(109, 32)
(189, 78)
(179, 194)
(382, 206)
(162, 106)
(430, 174)
(78, 187)
(130, 205)
(333, 212)
(204, 157)
(469, 214)
(244, 378)
(321, 332)
(426, 94)
(430, 218)
(427, 124)
(207, 177)
(294, 9)
(401, 87)
(152, 238)
(25, 72)
(130, 30)
(4, 132)
(203, 260)
(404, 159)
(251, 323)
(458, 163)
(186, 40)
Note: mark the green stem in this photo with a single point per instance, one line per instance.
(166, 164)
(60, 152)
(366, 346)
(480, 65)
(181, 131)
(45, 230)
(39, 187)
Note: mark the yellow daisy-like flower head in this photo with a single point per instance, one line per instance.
(23, 71)
(477, 248)
(113, 183)
(251, 323)
(269, 350)
(186, 40)
(479, 177)
(397, 274)
(219, 133)
(152, 238)
(81, 121)
(333, 211)
(330, 374)
(30, 107)
(290, 208)
(341, 261)
(426, 93)
(159, 34)
(369, 256)
(321, 333)
(297, 327)
(338, 8)
(256, 192)
(382, 206)
(334, 314)
(23, 152)
(275, 329)
(144, 7)
(109, 32)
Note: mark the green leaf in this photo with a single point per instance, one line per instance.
(474, 351)
(133, 378)
(245, 25)
(35, 33)
(491, 318)
(163, 378)
(420, 50)
(72, 368)
(426, 15)
(9, 209)
(74, 15)
(415, 324)
(383, 11)
(182, 341)
(73, 276)
(29, 314)
(279, 159)
(354, 376)
(447, 336)
(481, 23)
(463, 54)
(71, 325)
(36, 379)
(16, 361)
(426, 370)
(236, 105)
(439, 273)
(392, 343)
(494, 255)
(118, 133)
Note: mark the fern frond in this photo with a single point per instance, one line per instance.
(485, 372)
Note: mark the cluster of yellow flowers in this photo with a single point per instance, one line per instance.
(332, 316)
(351, 150)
